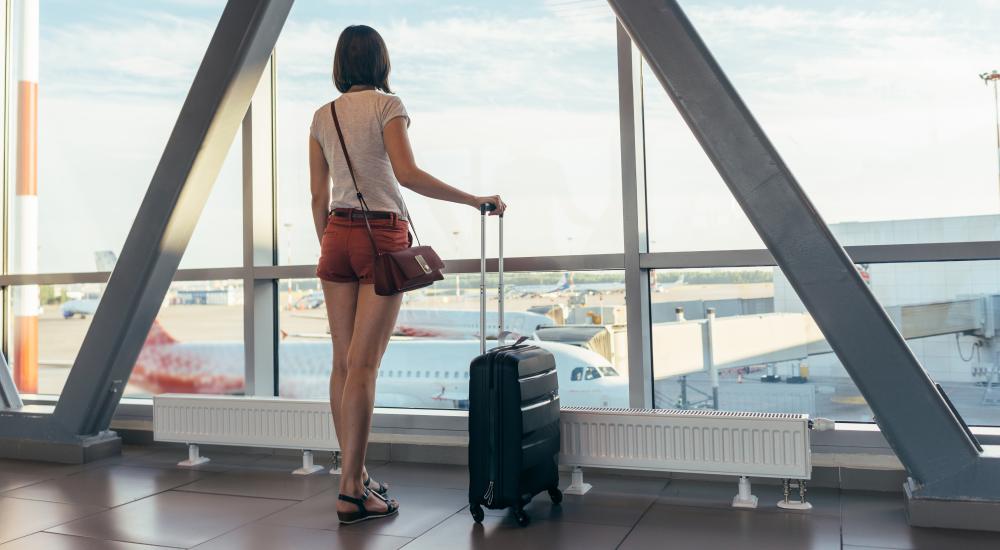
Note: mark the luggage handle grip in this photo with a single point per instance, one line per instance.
(483, 208)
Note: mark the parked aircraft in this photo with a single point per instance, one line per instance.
(82, 307)
(414, 373)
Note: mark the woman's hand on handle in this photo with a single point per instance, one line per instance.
(491, 199)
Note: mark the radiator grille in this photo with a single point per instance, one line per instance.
(709, 442)
(247, 421)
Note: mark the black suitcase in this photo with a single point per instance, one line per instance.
(513, 418)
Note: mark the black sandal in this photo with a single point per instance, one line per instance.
(383, 488)
(363, 513)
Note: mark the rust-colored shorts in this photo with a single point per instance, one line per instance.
(346, 251)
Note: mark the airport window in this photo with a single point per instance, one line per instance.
(194, 346)
(578, 316)
(95, 78)
(873, 195)
(890, 165)
(769, 356)
(546, 150)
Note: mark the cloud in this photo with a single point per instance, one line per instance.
(463, 60)
(878, 111)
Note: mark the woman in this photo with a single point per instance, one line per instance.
(374, 126)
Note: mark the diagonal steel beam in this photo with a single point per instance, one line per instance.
(929, 438)
(208, 122)
(9, 398)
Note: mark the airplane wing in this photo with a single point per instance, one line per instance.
(453, 395)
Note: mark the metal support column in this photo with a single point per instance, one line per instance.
(9, 398)
(209, 119)
(630, 113)
(931, 441)
(260, 297)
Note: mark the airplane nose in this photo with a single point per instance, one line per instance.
(615, 393)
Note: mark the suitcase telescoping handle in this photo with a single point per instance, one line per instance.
(483, 209)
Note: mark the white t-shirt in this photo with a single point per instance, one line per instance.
(363, 115)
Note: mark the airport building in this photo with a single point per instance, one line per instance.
(759, 241)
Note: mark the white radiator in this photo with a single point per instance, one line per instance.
(705, 442)
(244, 420)
(708, 442)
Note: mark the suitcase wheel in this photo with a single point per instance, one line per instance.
(521, 517)
(477, 513)
(556, 495)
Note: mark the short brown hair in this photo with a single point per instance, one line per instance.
(361, 58)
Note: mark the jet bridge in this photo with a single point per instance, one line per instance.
(701, 345)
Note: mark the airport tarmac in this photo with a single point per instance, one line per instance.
(835, 397)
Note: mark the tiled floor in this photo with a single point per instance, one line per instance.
(251, 501)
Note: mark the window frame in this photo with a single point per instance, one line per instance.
(261, 272)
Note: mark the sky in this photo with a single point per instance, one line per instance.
(876, 107)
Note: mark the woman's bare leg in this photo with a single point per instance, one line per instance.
(375, 318)
(341, 302)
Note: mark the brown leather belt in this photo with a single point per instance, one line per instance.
(360, 215)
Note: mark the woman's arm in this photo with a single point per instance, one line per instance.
(319, 185)
(397, 145)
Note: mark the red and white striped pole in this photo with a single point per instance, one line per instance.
(26, 300)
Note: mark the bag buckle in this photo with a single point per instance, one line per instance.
(423, 263)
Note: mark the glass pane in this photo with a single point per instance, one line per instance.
(770, 356)
(195, 345)
(878, 111)
(530, 113)
(578, 316)
(112, 79)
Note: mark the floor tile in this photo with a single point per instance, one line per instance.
(421, 508)
(445, 476)
(258, 536)
(459, 532)
(264, 484)
(687, 527)
(613, 500)
(878, 519)
(720, 495)
(12, 480)
(173, 518)
(221, 461)
(108, 487)
(52, 541)
(18, 473)
(20, 517)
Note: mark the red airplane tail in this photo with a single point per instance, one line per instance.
(158, 336)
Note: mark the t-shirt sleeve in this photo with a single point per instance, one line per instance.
(314, 126)
(393, 107)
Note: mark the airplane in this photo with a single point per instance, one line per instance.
(565, 287)
(415, 373)
(463, 323)
(442, 323)
(665, 287)
(82, 307)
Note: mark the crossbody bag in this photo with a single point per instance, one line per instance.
(403, 270)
